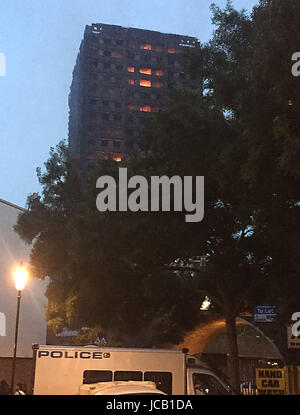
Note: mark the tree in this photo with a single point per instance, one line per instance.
(246, 69)
(94, 281)
(193, 137)
(254, 82)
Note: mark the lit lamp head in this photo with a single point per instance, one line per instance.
(206, 304)
(20, 276)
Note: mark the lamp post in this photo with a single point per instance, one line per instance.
(20, 277)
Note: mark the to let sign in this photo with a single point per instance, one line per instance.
(270, 381)
(264, 314)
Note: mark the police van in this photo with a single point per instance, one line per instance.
(63, 370)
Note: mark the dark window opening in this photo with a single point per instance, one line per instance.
(208, 385)
(94, 376)
(127, 375)
(117, 54)
(117, 117)
(163, 380)
(117, 144)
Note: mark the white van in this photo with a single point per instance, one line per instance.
(63, 370)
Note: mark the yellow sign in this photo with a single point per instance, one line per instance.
(270, 381)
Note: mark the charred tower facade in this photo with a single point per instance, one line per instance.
(121, 76)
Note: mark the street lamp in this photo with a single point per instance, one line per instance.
(20, 277)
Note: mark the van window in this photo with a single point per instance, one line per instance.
(127, 375)
(208, 385)
(163, 380)
(94, 376)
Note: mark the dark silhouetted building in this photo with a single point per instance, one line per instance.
(121, 76)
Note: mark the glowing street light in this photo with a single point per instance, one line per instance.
(20, 277)
(206, 304)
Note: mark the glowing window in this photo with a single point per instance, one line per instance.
(130, 69)
(146, 108)
(131, 81)
(144, 82)
(171, 50)
(146, 71)
(131, 107)
(159, 84)
(117, 158)
(159, 72)
(146, 47)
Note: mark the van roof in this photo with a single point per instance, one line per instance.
(121, 388)
(115, 349)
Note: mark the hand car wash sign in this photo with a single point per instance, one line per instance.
(270, 381)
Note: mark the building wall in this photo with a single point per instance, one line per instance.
(32, 324)
(122, 75)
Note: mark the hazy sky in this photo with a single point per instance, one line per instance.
(40, 39)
